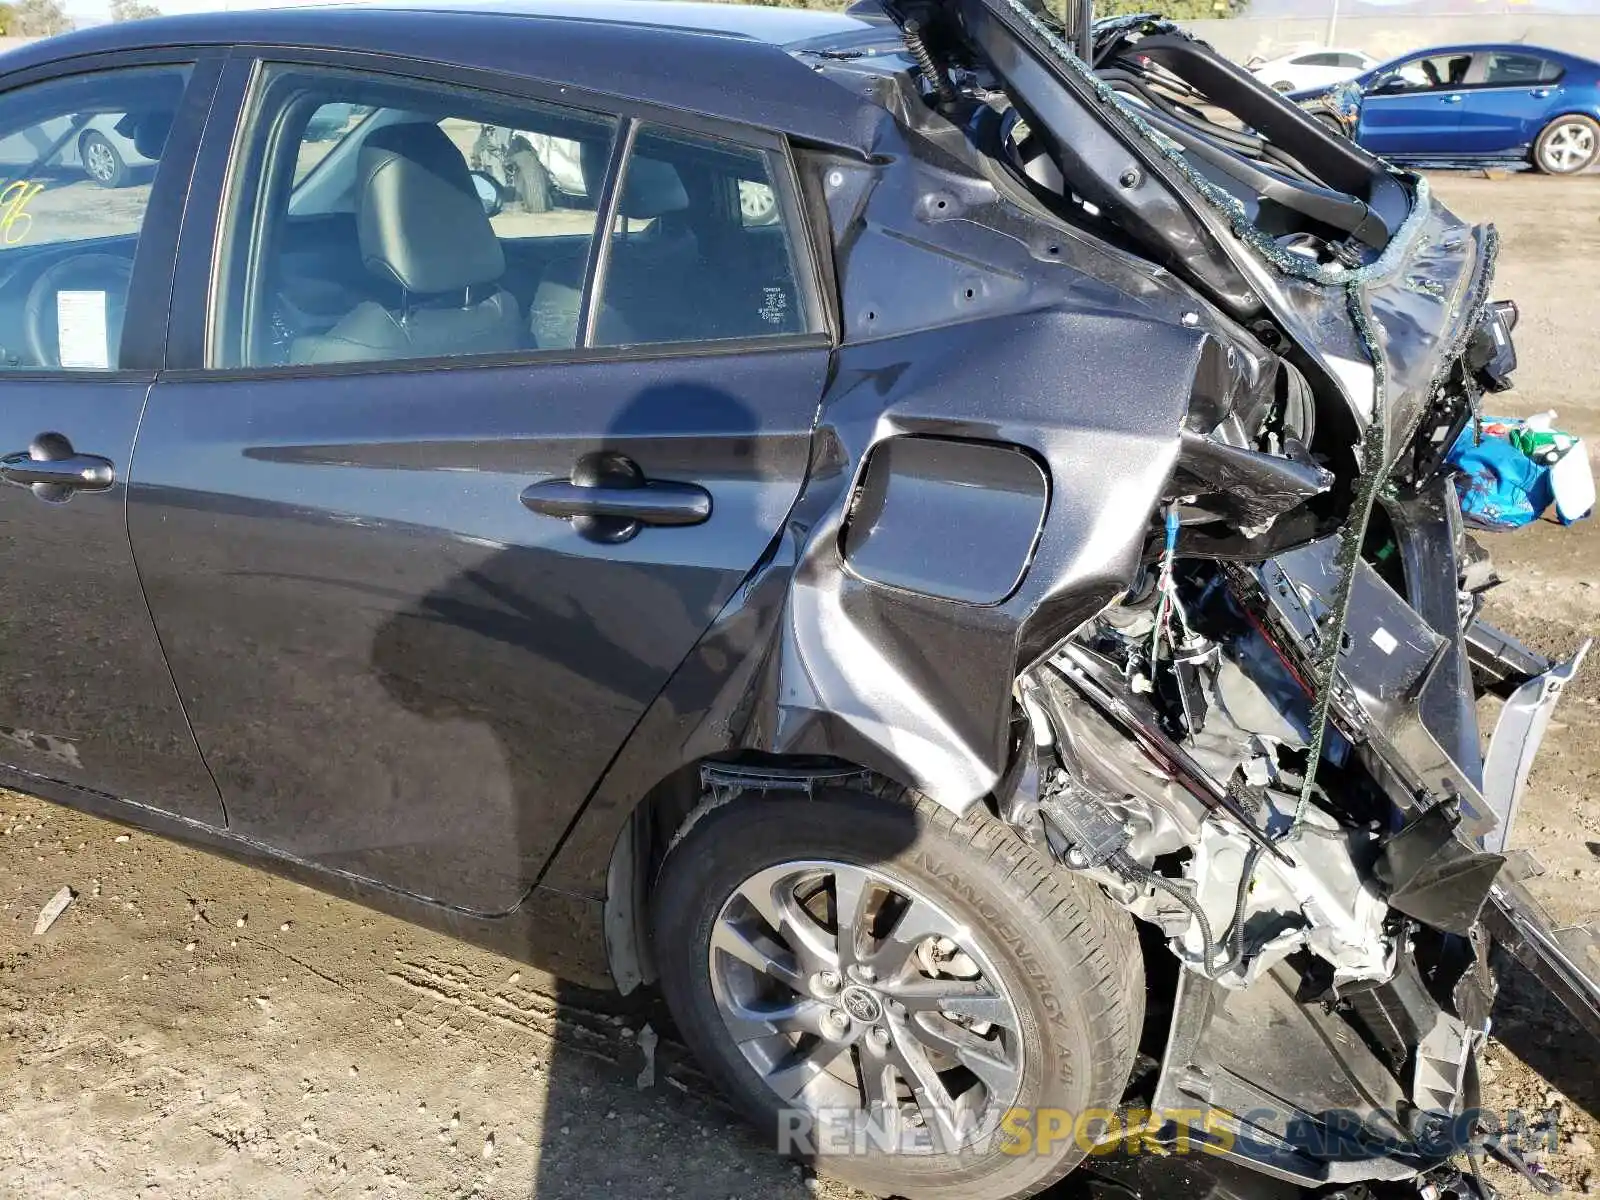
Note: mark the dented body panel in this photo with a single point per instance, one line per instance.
(1110, 506)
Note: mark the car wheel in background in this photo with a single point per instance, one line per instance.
(535, 190)
(1283, 85)
(908, 999)
(758, 204)
(1568, 144)
(101, 162)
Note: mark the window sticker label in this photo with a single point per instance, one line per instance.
(775, 306)
(81, 330)
(15, 219)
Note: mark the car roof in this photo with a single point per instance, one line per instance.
(721, 60)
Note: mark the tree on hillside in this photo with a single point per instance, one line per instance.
(132, 10)
(38, 18)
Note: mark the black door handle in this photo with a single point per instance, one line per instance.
(54, 470)
(608, 499)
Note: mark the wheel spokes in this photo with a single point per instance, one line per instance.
(916, 923)
(803, 1066)
(853, 988)
(932, 1098)
(749, 1023)
(969, 998)
(985, 1058)
(812, 947)
(877, 1082)
(763, 954)
(1569, 147)
(853, 891)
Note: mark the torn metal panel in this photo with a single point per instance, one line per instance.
(1516, 740)
(1567, 961)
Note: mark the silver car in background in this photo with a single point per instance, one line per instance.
(103, 147)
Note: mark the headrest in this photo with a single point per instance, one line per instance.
(652, 188)
(148, 132)
(418, 217)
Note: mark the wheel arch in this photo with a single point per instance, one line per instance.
(670, 808)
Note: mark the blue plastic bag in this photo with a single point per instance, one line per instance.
(1500, 486)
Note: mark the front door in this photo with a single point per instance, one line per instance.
(95, 167)
(1415, 109)
(422, 554)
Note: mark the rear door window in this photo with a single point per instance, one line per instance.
(1503, 69)
(383, 219)
(701, 249)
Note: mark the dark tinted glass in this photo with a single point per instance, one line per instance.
(77, 157)
(701, 249)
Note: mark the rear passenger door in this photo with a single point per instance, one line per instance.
(1507, 102)
(411, 586)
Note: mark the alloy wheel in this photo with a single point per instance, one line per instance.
(854, 996)
(99, 160)
(1568, 147)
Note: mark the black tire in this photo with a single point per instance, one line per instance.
(534, 188)
(1577, 136)
(1066, 956)
(101, 162)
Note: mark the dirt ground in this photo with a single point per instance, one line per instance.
(190, 1028)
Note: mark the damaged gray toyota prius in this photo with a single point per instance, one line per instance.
(925, 534)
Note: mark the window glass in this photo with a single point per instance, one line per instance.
(77, 157)
(380, 219)
(1430, 74)
(1321, 59)
(714, 258)
(1352, 62)
(1504, 69)
(326, 129)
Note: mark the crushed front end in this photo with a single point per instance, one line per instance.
(1240, 622)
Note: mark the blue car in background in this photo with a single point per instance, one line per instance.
(1482, 103)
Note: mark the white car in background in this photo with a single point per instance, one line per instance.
(103, 147)
(1311, 68)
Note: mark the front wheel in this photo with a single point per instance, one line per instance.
(1567, 145)
(920, 1005)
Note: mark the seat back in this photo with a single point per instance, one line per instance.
(422, 226)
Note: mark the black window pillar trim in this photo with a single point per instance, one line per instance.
(605, 223)
(199, 254)
(147, 331)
